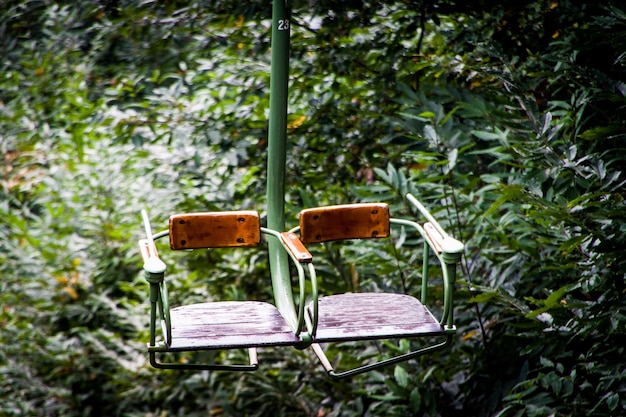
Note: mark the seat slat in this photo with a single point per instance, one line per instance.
(358, 316)
(229, 324)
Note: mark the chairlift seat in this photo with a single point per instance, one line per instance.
(220, 324)
(373, 315)
(362, 316)
(229, 325)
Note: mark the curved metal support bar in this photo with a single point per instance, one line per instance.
(319, 352)
(448, 295)
(448, 251)
(424, 211)
(164, 309)
(449, 245)
(253, 366)
(414, 225)
(425, 271)
(312, 327)
(160, 234)
(311, 323)
(298, 261)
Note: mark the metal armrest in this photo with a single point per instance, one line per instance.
(295, 247)
(449, 252)
(154, 269)
(151, 261)
(436, 234)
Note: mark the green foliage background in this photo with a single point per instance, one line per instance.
(506, 119)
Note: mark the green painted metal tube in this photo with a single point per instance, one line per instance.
(154, 296)
(276, 160)
(425, 268)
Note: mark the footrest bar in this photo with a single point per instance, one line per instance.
(253, 366)
(319, 352)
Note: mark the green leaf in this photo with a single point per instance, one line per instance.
(415, 400)
(484, 297)
(573, 243)
(401, 376)
(509, 193)
(612, 401)
(553, 301)
(484, 135)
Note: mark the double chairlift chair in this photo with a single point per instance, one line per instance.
(321, 319)
(307, 320)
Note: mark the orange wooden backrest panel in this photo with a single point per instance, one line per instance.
(348, 221)
(215, 230)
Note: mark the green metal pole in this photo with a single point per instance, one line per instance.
(277, 155)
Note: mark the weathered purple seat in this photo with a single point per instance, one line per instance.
(229, 324)
(362, 316)
(371, 316)
(220, 324)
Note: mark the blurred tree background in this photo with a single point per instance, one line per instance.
(506, 118)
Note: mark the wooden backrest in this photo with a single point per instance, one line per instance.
(347, 221)
(215, 230)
